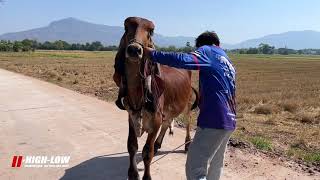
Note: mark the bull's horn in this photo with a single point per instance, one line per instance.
(120, 104)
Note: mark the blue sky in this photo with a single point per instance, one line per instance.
(234, 20)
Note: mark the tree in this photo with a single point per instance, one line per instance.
(283, 51)
(253, 51)
(242, 51)
(46, 45)
(96, 46)
(6, 45)
(17, 46)
(61, 45)
(171, 48)
(75, 46)
(266, 48)
(188, 48)
(27, 45)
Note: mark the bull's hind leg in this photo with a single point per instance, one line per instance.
(188, 137)
(171, 127)
(132, 145)
(187, 118)
(165, 125)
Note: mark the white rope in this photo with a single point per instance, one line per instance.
(167, 153)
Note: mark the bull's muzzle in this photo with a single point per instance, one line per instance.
(134, 51)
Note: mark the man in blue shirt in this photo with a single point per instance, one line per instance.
(217, 118)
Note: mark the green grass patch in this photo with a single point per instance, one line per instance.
(261, 143)
(305, 155)
(312, 157)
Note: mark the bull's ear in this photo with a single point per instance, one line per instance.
(120, 58)
(119, 70)
(119, 61)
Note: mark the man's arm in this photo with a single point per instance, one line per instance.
(193, 61)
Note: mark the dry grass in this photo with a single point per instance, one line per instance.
(290, 106)
(278, 97)
(86, 72)
(264, 109)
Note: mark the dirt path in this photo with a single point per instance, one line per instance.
(38, 118)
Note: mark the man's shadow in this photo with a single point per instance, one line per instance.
(111, 166)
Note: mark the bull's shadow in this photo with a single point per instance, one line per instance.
(107, 167)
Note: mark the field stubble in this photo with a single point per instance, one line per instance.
(278, 97)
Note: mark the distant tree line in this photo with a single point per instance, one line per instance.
(187, 48)
(32, 45)
(268, 49)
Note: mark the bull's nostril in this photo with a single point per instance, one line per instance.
(139, 51)
(134, 50)
(131, 50)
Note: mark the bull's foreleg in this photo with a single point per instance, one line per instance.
(148, 149)
(132, 145)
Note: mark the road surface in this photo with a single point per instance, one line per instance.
(41, 119)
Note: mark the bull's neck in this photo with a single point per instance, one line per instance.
(134, 84)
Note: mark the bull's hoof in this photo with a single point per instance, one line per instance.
(171, 132)
(133, 175)
(157, 146)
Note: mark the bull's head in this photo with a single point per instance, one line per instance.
(137, 35)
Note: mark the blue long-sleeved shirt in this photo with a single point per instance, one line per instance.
(217, 83)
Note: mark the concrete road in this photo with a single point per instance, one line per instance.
(41, 119)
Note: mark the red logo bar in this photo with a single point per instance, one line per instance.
(16, 161)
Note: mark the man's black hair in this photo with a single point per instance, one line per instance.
(207, 38)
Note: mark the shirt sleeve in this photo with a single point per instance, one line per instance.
(196, 60)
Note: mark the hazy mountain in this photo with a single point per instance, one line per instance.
(76, 31)
(291, 39)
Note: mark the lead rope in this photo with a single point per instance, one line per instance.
(167, 153)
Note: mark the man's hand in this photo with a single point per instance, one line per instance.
(147, 52)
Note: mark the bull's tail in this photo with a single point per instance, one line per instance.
(196, 102)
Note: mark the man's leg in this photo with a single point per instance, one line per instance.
(205, 144)
(216, 163)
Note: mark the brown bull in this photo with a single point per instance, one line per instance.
(154, 94)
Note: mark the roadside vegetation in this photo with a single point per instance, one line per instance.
(32, 45)
(278, 97)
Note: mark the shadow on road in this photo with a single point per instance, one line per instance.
(111, 166)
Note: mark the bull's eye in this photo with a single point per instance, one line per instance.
(150, 34)
(126, 29)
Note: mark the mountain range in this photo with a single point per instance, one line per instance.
(74, 30)
(292, 39)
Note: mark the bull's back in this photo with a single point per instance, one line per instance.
(177, 91)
